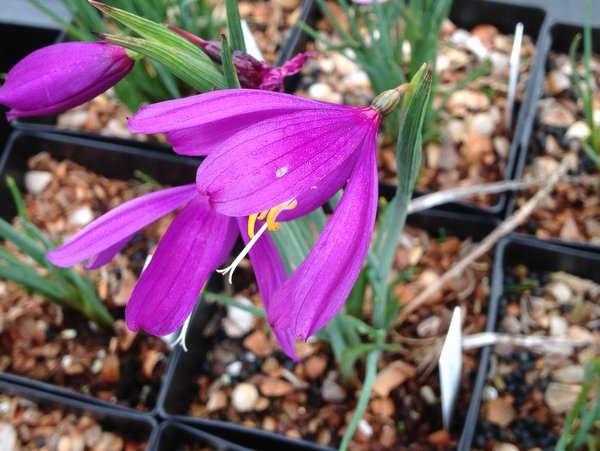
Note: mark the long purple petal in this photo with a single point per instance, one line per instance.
(116, 225)
(317, 290)
(199, 117)
(280, 158)
(61, 76)
(269, 269)
(195, 243)
(107, 254)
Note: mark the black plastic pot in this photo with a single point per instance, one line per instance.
(185, 367)
(295, 44)
(128, 424)
(537, 256)
(172, 435)
(559, 39)
(108, 159)
(17, 42)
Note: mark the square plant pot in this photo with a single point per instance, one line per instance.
(111, 161)
(130, 426)
(186, 367)
(176, 435)
(568, 215)
(539, 258)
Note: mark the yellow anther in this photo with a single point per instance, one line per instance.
(270, 215)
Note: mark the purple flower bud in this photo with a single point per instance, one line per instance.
(252, 73)
(62, 76)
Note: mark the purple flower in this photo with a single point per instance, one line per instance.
(197, 241)
(252, 73)
(273, 155)
(62, 76)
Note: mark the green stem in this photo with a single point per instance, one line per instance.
(363, 400)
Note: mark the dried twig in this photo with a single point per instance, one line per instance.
(456, 194)
(486, 244)
(538, 342)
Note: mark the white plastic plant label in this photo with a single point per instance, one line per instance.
(450, 365)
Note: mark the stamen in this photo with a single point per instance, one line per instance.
(181, 337)
(242, 254)
(271, 216)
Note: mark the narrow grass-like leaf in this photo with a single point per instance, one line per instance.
(234, 25)
(226, 300)
(228, 68)
(200, 76)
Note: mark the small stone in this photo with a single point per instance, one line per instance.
(500, 411)
(476, 146)
(323, 92)
(365, 428)
(356, 80)
(111, 371)
(315, 366)
(475, 46)
(151, 359)
(392, 376)
(218, 401)
(258, 343)
(560, 292)
(332, 391)
(81, 216)
(238, 322)
(510, 325)
(272, 387)
(456, 129)
(505, 447)
(244, 397)
(68, 334)
(270, 365)
(471, 100)
(234, 369)
(429, 327)
(8, 437)
(489, 393)
(483, 123)
(571, 374)
(580, 333)
(570, 230)
(558, 326)
(555, 115)
(485, 33)
(37, 181)
(383, 407)
(428, 395)
(580, 131)
(561, 397)
(440, 439)
(557, 82)
(288, 4)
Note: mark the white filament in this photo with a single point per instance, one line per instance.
(231, 268)
(181, 337)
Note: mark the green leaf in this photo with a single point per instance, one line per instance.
(226, 300)
(228, 67)
(234, 25)
(152, 31)
(192, 70)
(17, 197)
(25, 244)
(353, 354)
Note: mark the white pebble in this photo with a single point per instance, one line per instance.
(81, 217)
(365, 428)
(244, 397)
(238, 322)
(37, 181)
(234, 369)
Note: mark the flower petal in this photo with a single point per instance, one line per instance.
(107, 254)
(317, 290)
(196, 242)
(121, 222)
(280, 158)
(61, 76)
(269, 269)
(199, 117)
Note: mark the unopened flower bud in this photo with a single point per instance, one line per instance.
(252, 73)
(387, 101)
(62, 76)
